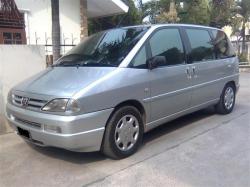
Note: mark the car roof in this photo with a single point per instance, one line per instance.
(172, 24)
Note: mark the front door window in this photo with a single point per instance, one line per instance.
(167, 43)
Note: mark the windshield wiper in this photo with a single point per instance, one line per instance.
(67, 64)
(92, 64)
(73, 54)
(71, 65)
(80, 62)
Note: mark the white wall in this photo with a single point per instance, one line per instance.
(38, 20)
(17, 62)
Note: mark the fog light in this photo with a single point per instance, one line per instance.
(11, 117)
(53, 129)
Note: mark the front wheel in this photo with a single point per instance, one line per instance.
(227, 100)
(123, 134)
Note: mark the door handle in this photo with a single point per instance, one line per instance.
(194, 72)
(189, 76)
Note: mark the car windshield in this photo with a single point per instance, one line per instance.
(106, 49)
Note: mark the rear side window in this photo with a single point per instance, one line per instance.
(168, 43)
(201, 45)
(222, 46)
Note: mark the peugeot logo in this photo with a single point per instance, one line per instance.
(25, 101)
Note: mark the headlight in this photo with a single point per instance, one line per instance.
(73, 106)
(61, 105)
(56, 105)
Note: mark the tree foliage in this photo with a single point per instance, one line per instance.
(244, 11)
(221, 12)
(149, 10)
(131, 18)
(198, 12)
(216, 13)
(170, 15)
(193, 11)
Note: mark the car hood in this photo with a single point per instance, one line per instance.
(62, 81)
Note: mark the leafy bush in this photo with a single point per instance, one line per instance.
(243, 57)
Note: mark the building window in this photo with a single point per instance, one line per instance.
(7, 38)
(12, 38)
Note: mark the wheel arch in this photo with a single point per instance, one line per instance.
(232, 82)
(135, 103)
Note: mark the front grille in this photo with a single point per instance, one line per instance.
(35, 104)
(28, 123)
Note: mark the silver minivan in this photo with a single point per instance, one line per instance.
(116, 85)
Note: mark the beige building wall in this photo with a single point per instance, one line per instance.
(17, 62)
(38, 22)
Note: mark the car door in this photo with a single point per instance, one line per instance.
(206, 70)
(170, 82)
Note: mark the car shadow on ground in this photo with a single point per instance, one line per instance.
(69, 156)
(177, 124)
(83, 158)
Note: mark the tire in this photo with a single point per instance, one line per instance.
(227, 100)
(124, 133)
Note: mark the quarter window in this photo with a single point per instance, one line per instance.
(222, 46)
(201, 45)
(167, 43)
(140, 59)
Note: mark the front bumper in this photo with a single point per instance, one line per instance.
(82, 133)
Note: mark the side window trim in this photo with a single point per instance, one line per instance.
(182, 41)
(213, 38)
(148, 50)
(189, 48)
(185, 43)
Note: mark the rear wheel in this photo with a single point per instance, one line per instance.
(227, 100)
(124, 133)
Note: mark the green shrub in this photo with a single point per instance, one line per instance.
(243, 57)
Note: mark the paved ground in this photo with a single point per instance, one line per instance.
(202, 149)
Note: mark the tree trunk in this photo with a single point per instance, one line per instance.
(244, 37)
(55, 29)
(140, 5)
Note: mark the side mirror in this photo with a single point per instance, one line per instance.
(156, 61)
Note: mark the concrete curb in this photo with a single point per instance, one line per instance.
(244, 67)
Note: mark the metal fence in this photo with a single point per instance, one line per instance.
(239, 49)
(48, 52)
(67, 43)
